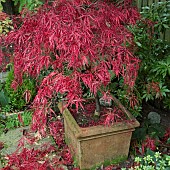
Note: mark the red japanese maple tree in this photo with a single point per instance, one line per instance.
(81, 42)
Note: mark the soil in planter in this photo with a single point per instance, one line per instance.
(108, 115)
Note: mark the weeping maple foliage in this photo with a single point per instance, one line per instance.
(82, 42)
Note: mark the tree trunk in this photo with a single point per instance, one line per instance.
(97, 111)
(8, 7)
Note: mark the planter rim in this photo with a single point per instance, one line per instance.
(82, 132)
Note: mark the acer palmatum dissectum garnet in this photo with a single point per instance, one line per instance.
(81, 42)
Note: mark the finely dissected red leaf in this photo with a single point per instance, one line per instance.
(148, 143)
(112, 117)
(57, 131)
(30, 159)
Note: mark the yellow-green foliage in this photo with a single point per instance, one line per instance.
(5, 25)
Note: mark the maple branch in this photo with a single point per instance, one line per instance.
(97, 111)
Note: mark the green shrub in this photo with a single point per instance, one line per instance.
(153, 81)
(23, 95)
(159, 13)
(29, 4)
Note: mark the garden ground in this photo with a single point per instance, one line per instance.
(12, 138)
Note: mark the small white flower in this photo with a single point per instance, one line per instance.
(138, 159)
(157, 155)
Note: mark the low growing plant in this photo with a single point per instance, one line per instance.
(15, 121)
(150, 136)
(155, 130)
(18, 120)
(151, 161)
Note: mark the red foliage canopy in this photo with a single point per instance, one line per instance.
(81, 41)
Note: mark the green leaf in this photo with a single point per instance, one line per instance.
(139, 44)
(166, 26)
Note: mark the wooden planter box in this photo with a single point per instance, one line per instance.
(93, 145)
